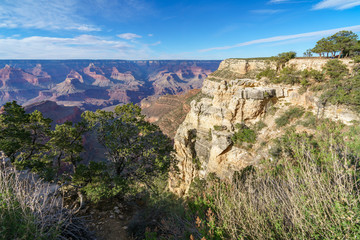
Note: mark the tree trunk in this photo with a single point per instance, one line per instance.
(340, 54)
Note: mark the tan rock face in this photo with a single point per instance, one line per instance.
(203, 141)
(127, 76)
(168, 111)
(244, 66)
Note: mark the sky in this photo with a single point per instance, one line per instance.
(155, 29)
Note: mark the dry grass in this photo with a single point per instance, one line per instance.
(302, 199)
(31, 209)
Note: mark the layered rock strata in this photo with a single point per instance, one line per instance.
(203, 141)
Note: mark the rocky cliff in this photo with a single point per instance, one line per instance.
(239, 68)
(203, 141)
(168, 111)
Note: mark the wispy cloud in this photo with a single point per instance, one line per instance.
(83, 46)
(278, 1)
(42, 14)
(285, 38)
(336, 4)
(129, 36)
(267, 11)
(155, 43)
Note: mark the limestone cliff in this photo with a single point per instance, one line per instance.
(250, 66)
(203, 141)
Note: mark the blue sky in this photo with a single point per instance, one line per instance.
(154, 29)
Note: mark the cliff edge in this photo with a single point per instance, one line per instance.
(231, 97)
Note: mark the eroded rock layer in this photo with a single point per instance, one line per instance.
(203, 141)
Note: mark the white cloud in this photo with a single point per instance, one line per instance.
(80, 47)
(336, 4)
(155, 43)
(42, 14)
(267, 11)
(129, 36)
(285, 38)
(150, 35)
(278, 1)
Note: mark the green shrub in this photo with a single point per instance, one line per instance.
(335, 69)
(317, 75)
(268, 73)
(283, 58)
(219, 128)
(290, 114)
(209, 137)
(288, 75)
(243, 135)
(342, 88)
(302, 90)
(271, 110)
(97, 183)
(356, 59)
(310, 120)
(259, 125)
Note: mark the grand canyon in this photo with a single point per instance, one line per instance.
(97, 84)
(179, 120)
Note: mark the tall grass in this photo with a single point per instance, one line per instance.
(29, 209)
(311, 192)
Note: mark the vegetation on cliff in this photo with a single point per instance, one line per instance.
(29, 209)
(309, 189)
(138, 154)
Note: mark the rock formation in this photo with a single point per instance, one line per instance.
(168, 111)
(59, 114)
(203, 141)
(94, 84)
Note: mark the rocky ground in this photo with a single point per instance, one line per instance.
(109, 220)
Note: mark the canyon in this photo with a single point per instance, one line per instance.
(232, 96)
(96, 84)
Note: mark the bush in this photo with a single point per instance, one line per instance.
(259, 125)
(268, 73)
(283, 58)
(342, 88)
(243, 135)
(290, 114)
(356, 59)
(317, 75)
(335, 69)
(310, 120)
(288, 75)
(97, 183)
(30, 210)
(219, 128)
(311, 193)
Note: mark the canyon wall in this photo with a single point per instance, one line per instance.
(94, 84)
(203, 141)
(246, 66)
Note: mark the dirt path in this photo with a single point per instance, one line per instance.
(110, 222)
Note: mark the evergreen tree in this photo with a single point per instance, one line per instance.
(138, 150)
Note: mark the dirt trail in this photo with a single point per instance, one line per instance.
(110, 222)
